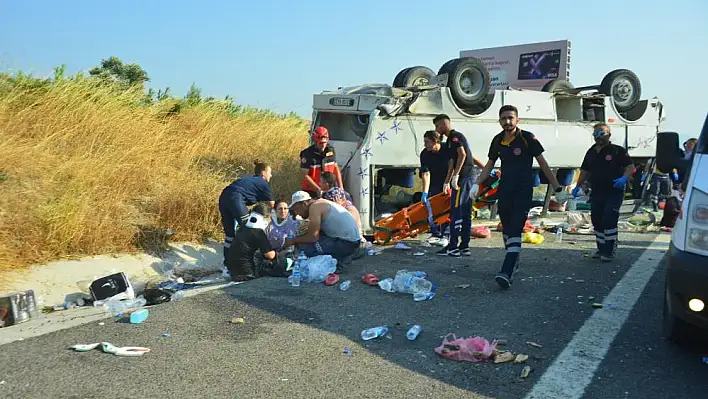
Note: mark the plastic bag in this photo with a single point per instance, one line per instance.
(532, 238)
(481, 232)
(470, 349)
(316, 268)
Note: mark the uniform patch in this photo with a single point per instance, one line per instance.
(303, 160)
(608, 157)
(456, 139)
(517, 151)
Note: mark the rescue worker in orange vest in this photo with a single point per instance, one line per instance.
(317, 159)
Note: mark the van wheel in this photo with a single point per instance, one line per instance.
(558, 86)
(624, 88)
(675, 329)
(413, 77)
(468, 81)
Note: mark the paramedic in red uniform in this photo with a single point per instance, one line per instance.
(317, 159)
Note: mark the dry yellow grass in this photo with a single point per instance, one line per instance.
(82, 168)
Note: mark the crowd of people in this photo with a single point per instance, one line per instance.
(321, 218)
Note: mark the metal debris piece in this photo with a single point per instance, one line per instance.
(534, 344)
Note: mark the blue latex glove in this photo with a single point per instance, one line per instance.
(424, 198)
(620, 182)
(576, 192)
(674, 176)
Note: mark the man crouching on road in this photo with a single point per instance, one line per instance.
(332, 230)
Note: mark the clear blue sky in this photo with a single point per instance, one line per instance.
(276, 54)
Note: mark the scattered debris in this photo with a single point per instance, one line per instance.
(419, 253)
(139, 316)
(462, 286)
(401, 245)
(504, 357)
(101, 324)
(521, 358)
(579, 281)
(470, 349)
(130, 351)
(534, 344)
(238, 320)
(525, 372)
(347, 351)
(165, 335)
(598, 305)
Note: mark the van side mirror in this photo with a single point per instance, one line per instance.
(668, 152)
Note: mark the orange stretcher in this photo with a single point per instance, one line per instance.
(413, 220)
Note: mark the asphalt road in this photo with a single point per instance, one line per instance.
(293, 341)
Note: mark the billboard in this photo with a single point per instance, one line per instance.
(525, 66)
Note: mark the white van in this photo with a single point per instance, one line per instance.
(686, 291)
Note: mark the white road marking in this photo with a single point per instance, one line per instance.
(573, 370)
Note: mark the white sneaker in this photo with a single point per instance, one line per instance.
(443, 242)
(433, 240)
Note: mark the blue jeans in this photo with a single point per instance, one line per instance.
(461, 214)
(604, 213)
(341, 250)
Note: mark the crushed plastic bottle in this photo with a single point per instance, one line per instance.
(374, 332)
(414, 331)
(345, 285)
(559, 234)
(423, 296)
(118, 307)
(387, 285)
(410, 284)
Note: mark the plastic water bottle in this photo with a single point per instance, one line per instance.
(374, 332)
(291, 249)
(559, 234)
(412, 334)
(410, 284)
(177, 296)
(296, 269)
(117, 307)
(345, 285)
(423, 296)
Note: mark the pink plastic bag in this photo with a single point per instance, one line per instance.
(470, 349)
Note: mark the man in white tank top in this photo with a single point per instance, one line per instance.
(332, 229)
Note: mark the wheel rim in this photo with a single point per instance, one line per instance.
(471, 82)
(622, 92)
(420, 81)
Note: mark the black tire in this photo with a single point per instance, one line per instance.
(445, 68)
(413, 76)
(399, 77)
(558, 86)
(624, 87)
(468, 81)
(675, 329)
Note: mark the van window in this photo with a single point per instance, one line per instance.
(344, 127)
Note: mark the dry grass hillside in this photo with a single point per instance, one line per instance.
(87, 168)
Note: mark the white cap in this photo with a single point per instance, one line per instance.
(299, 196)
